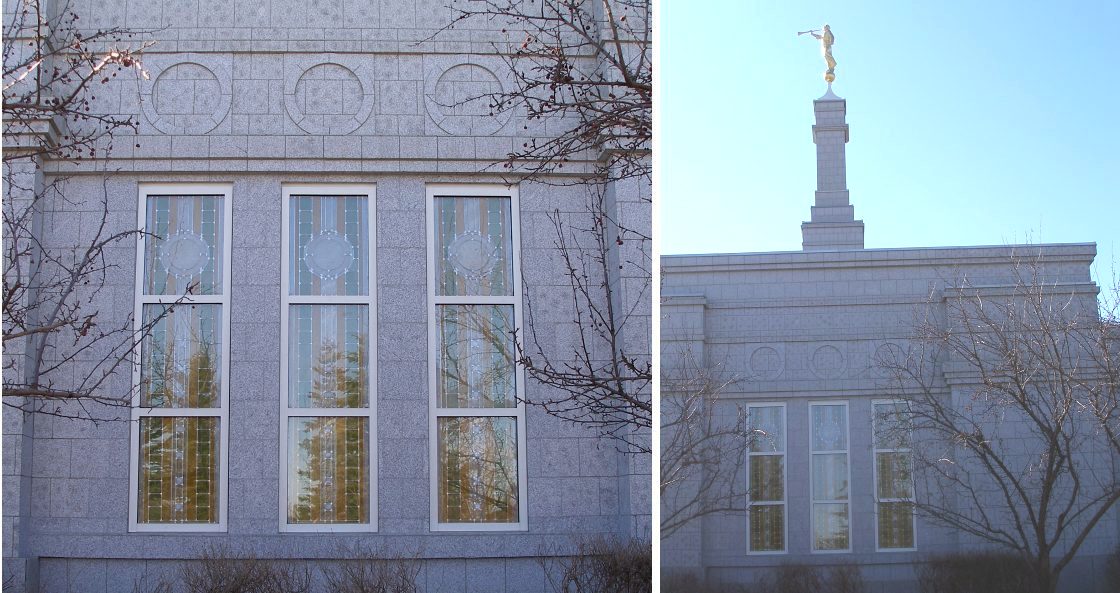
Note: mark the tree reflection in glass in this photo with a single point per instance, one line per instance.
(475, 367)
(178, 470)
(327, 364)
(478, 469)
(830, 526)
(328, 472)
(182, 358)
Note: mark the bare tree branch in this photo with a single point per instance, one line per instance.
(1013, 393)
(62, 350)
(584, 68)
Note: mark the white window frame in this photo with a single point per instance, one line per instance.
(875, 473)
(286, 300)
(848, 453)
(222, 412)
(785, 481)
(434, 190)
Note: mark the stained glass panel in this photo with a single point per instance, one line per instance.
(475, 365)
(896, 525)
(185, 249)
(477, 470)
(830, 476)
(182, 357)
(767, 528)
(893, 472)
(329, 245)
(178, 470)
(892, 427)
(767, 478)
(830, 427)
(473, 245)
(328, 470)
(765, 424)
(830, 526)
(327, 362)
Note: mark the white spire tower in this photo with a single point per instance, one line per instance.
(832, 224)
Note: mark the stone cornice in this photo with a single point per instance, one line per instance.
(871, 258)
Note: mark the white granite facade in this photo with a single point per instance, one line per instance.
(263, 94)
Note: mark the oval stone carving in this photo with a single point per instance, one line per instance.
(186, 98)
(766, 363)
(827, 362)
(459, 101)
(328, 99)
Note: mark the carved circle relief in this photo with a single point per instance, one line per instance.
(328, 99)
(886, 357)
(458, 103)
(766, 363)
(184, 254)
(328, 255)
(186, 98)
(827, 362)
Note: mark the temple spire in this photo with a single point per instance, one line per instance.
(832, 224)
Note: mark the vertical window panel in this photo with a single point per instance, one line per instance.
(475, 292)
(475, 366)
(894, 483)
(182, 357)
(474, 243)
(327, 398)
(829, 476)
(185, 251)
(766, 479)
(328, 470)
(180, 405)
(478, 469)
(327, 362)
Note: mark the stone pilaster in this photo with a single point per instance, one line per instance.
(832, 224)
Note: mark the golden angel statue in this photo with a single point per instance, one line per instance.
(827, 39)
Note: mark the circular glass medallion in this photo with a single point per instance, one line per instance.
(472, 255)
(184, 254)
(328, 255)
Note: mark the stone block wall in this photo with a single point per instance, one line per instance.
(262, 94)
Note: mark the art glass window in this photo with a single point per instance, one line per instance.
(829, 476)
(180, 408)
(478, 420)
(327, 414)
(766, 515)
(894, 483)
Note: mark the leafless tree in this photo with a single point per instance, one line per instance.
(704, 442)
(598, 383)
(1011, 394)
(583, 66)
(52, 70)
(581, 74)
(60, 354)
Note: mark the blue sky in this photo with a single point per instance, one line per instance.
(972, 123)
